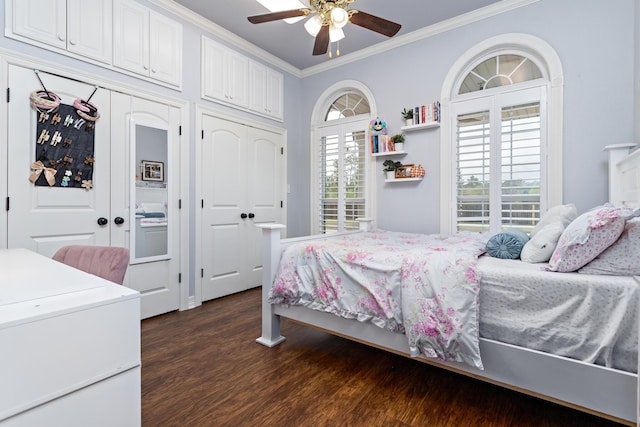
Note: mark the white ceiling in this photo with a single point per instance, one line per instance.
(292, 44)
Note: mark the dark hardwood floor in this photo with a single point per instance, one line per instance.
(202, 367)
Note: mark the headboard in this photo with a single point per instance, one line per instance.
(624, 175)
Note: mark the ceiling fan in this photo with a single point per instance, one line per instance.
(328, 19)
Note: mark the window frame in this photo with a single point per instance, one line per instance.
(544, 56)
(319, 127)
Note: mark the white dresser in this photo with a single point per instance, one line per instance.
(69, 346)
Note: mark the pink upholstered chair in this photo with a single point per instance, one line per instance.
(108, 262)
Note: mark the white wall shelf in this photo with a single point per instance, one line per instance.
(428, 125)
(389, 153)
(403, 179)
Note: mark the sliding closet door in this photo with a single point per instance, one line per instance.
(44, 218)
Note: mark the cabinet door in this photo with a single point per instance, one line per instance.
(257, 87)
(131, 36)
(274, 87)
(41, 20)
(89, 29)
(237, 79)
(165, 49)
(213, 70)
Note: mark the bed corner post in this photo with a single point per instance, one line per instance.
(270, 258)
(366, 224)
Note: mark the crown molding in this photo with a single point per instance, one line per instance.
(423, 33)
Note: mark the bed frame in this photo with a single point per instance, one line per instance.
(606, 392)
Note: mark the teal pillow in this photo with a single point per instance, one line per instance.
(507, 244)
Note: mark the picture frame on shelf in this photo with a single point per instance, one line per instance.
(152, 171)
(403, 171)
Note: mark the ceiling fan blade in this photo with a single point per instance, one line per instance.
(322, 41)
(374, 23)
(275, 16)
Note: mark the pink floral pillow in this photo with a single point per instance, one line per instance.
(587, 237)
(623, 257)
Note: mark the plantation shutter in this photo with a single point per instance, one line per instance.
(341, 179)
(499, 174)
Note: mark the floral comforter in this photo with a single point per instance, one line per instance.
(425, 286)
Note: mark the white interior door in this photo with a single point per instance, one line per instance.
(157, 279)
(242, 170)
(45, 218)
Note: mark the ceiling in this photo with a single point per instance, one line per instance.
(292, 44)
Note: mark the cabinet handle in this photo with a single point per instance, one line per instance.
(72, 42)
(251, 215)
(243, 215)
(119, 220)
(61, 38)
(103, 221)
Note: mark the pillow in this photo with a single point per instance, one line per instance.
(560, 213)
(588, 236)
(507, 244)
(542, 245)
(623, 257)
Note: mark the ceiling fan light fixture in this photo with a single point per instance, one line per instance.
(313, 25)
(335, 34)
(339, 17)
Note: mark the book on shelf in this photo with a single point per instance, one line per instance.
(381, 144)
(427, 113)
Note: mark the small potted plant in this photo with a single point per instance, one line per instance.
(398, 142)
(390, 168)
(407, 115)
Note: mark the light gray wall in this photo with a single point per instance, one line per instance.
(595, 43)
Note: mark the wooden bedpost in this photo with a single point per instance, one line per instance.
(270, 259)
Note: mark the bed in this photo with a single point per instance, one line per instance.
(556, 378)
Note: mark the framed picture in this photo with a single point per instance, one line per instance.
(403, 171)
(152, 171)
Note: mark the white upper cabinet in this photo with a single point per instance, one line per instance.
(146, 42)
(224, 75)
(77, 26)
(231, 78)
(265, 90)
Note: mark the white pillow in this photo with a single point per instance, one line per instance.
(541, 246)
(622, 258)
(560, 213)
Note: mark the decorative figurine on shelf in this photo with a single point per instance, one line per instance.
(378, 127)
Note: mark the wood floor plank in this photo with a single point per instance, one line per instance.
(202, 367)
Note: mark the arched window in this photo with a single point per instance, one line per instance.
(340, 161)
(501, 164)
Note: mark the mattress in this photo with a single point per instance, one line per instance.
(593, 318)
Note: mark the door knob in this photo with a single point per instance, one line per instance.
(243, 215)
(103, 221)
(119, 220)
(251, 215)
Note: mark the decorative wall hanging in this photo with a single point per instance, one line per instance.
(64, 141)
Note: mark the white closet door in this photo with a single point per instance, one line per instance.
(157, 281)
(242, 170)
(45, 218)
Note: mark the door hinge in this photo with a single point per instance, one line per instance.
(7, 204)
(179, 277)
(202, 203)
(8, 95)
(281, 204)
(202, 133)
(201, 272)
(180, 130)
(282, 150)
(179, 203)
